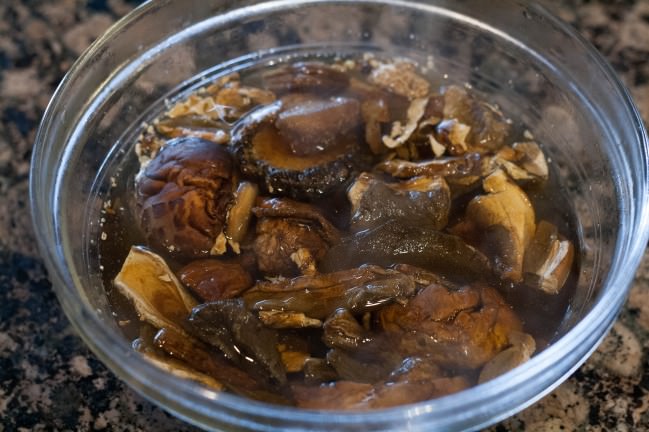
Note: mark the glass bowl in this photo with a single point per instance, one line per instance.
(516, 54)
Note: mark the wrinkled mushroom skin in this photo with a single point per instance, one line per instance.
(419, 201)
(489, 128)
(212, 279)
(464, 328)
(183, 196)
(291, 237)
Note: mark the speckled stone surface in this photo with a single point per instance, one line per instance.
(48, 378)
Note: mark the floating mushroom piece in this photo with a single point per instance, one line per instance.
(182, 370)
(291, 237)
(358, 290)
(421, 246)
(523, 162)
(265, 154)
(400, 134)
(213, 279)
(158, 297)
(420, 200)
(463, 328)
(194, 125)
(182, 196)
(400, 78)
(243, 339)
(503, 223)
(522, 347)
(489, 128)
(200, 358)
(282, 320)
(548, 259)
(342, 330)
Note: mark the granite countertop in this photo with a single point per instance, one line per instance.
(48, 378)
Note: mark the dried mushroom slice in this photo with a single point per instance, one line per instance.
(523, 162)
(239, 215)
(548, 259)
(503, 222)
(183, 195)
(158, 297)
(401, 78)
(184, 371)
(293, 167)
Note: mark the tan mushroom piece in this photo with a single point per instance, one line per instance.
(158, 297)
(523, 162)
(548, 259)
(504, 219)
(522, 347)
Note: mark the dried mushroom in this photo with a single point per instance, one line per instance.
(462, 328)
(350, 231)
(265, 154)
(156, 294)
(488, 127)
(548, 259)
(358, 290)
(503, 223)
(212, 279)
(199, 357)
(418, 201)
(521, 349)
(291, 237)
(239, 335)
(425, 247)
(183, 195)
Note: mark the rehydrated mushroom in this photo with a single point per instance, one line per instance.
(523, 162)
(489, 128)
(460, 171)
(200, 357)
(265, 154)
(158, 297)
(391, 243)
(521, 349)
(183, 195)
(400, 78)
(194, 125)
(313, 77)
(548, 259)
(182, 370)
(239, 215)
(291, 237)
(243, 339)
(213, 279)
(342, 330)
(401, 133)
(414, 381)
(453, 135)
(462, 328)
(315, 125)
(358, 290)
(420, 200)
(503, 223)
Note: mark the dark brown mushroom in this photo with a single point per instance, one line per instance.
(213, 279)
(183, 195)
(359, 290)
(291, 237)
(462, 328)
(418, 201)
(270, 147)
